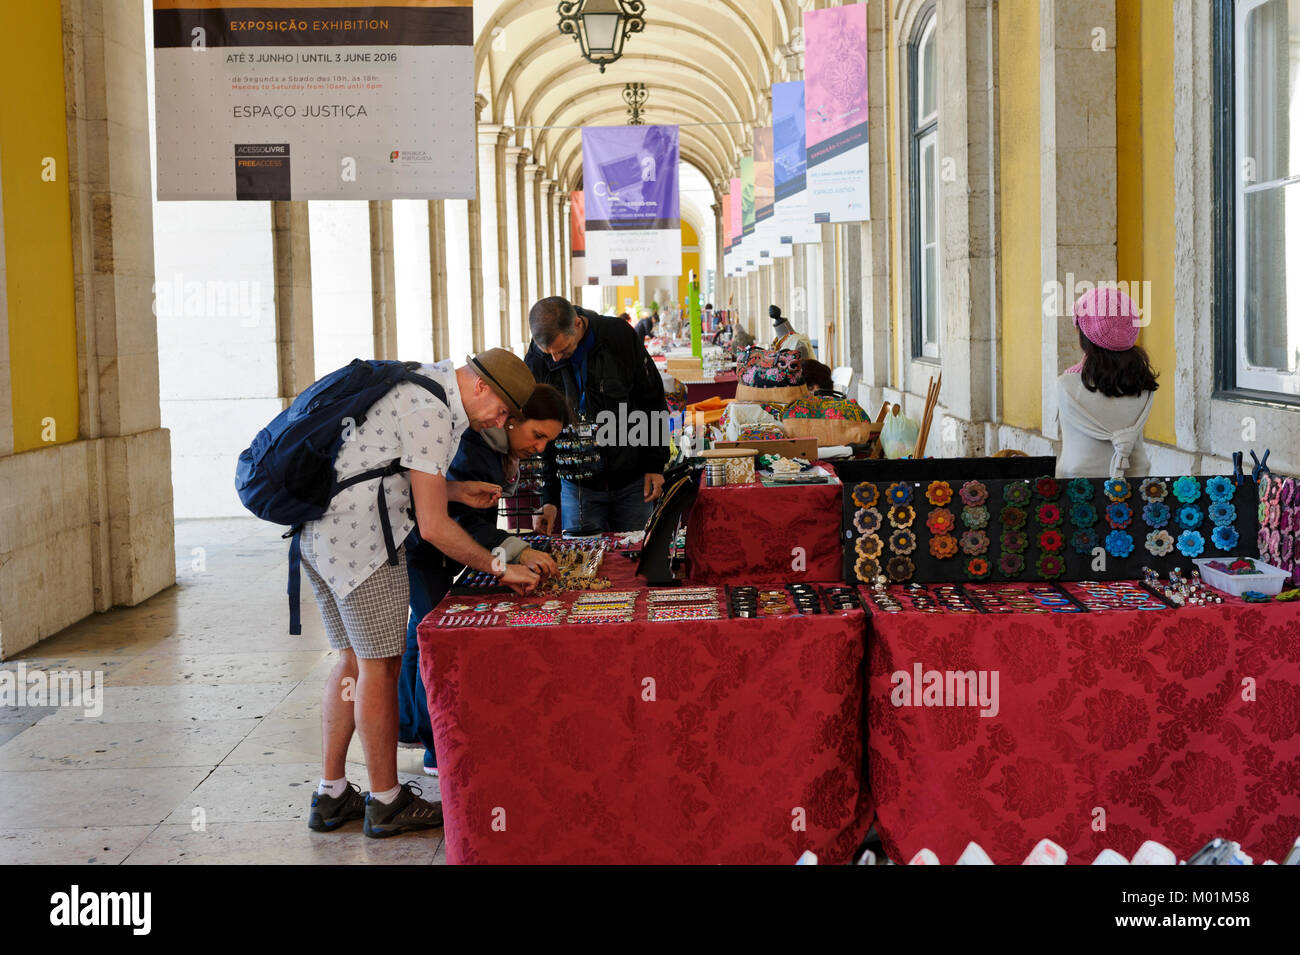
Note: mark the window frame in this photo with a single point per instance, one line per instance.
(1227, 17)
(924, 27)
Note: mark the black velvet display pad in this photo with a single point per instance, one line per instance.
(938, 469)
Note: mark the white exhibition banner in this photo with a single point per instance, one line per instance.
(630, 187)
(314, 99)
(794, 218)
(835, 88)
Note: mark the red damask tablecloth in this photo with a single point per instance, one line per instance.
(751, 751)
(748, 533)
(1141, 716)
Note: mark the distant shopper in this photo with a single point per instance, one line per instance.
(603, 369)
(364, 599)
(491, 456)
(1104, 401)
(726, 331)
(646, 327)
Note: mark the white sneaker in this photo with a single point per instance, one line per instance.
(431, 770)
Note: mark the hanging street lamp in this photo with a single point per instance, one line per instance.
(601, 26)
(635, 95)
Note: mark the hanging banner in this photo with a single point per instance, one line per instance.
(835, 86)
(768, 239)
(633, 213)
(578, 238)
(794, 219)
(725, 215)
(749, 244)
(735, 204)
(314, 99)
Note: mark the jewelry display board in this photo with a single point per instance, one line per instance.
(1042, 529)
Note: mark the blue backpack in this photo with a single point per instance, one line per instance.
(286, 476)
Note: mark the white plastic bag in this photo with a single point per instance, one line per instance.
(898, 435)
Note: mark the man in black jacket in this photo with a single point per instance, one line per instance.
(603, 369)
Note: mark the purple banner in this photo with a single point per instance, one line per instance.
(630, 177)
(630, 185)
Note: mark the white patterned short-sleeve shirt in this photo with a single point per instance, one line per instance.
(407, 423)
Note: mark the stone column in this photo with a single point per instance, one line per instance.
(383, 281)
(125, 455)
(504, 199)
(553, 239)
(294, 341)
(545, 234)
(478, 257)
(520, 257)
(719, 281)
(1078, 215)
(532, 247)
(438, 283)
(563, 276)
(967, 208)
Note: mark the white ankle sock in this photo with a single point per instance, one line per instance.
(388, 797)
(334, 788)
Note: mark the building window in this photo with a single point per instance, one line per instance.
(1258, 54)
(924, 187)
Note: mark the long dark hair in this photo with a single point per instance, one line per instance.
(547, 404)
(1116, 374)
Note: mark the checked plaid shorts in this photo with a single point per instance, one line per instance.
(371, 620)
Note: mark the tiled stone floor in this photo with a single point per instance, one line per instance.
(208, 746)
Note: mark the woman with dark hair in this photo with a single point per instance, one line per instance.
(491, 456)
(1103, 402)
(816, 375)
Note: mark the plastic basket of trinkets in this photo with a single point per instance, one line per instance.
(1241, 575)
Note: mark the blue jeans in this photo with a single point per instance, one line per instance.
(622, 509)
(429, 584)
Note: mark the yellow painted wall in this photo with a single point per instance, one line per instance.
(1019, 228)
(690, 260)
(1157, 216)
(627, 294)
(37, 226)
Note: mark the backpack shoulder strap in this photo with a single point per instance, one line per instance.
(428, 384)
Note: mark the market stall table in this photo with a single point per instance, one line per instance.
(697, 741)
(722, 385)
(1111, 728)
(765, 534)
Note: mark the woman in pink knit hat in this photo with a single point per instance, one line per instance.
(1103, 402)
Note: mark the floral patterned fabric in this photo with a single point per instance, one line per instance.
(816, 406)
(1139, 713)
(760, 432)
(755, 728)
(765, 368)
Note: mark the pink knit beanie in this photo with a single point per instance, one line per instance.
(1108, 318)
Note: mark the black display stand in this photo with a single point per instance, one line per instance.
(681, 485)
(930, 569)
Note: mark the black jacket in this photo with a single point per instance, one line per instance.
(644, 328)
(621, 378)
(475, 460)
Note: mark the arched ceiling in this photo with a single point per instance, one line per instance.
(703, 62)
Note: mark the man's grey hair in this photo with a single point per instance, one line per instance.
(549, 319)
